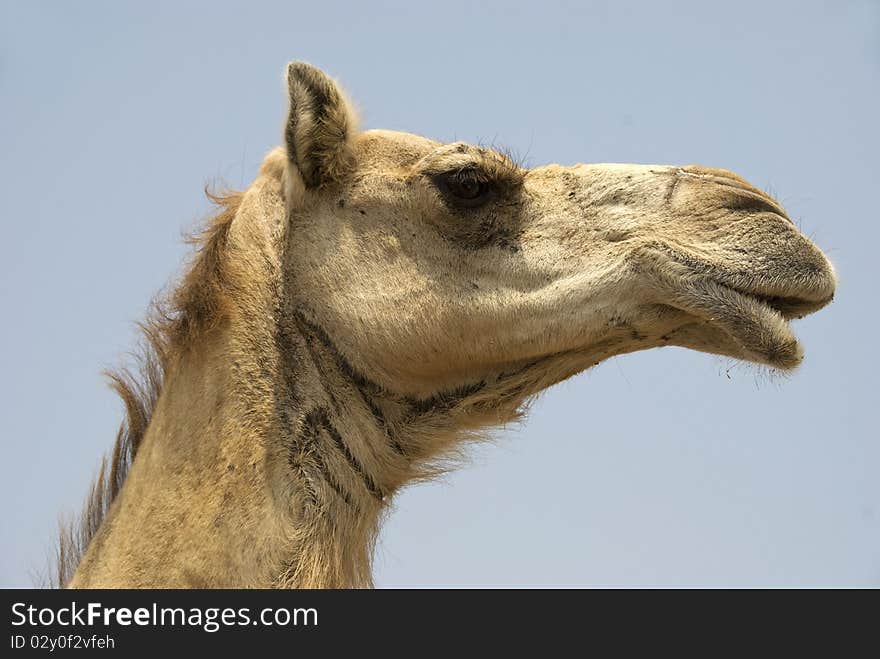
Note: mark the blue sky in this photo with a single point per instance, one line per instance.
(666, 467)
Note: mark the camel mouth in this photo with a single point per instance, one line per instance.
(756, 324)
(747, 317)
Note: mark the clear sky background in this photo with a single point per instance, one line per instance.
(666, 467)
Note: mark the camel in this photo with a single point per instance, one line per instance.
(375, 300)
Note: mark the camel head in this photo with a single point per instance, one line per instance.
(434, 266)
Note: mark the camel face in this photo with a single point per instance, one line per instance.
(449, 263)
(440, 265)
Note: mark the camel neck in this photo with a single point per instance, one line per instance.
(259, 468)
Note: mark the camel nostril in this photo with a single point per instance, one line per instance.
(751, 202)
(738, 194)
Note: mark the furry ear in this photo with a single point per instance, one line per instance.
(319, 126)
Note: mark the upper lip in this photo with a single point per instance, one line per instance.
(814, 291)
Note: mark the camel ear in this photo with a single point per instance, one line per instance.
(319, 127)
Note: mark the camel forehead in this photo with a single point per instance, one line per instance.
(392, 148)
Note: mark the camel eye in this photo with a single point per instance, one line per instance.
(466, 187)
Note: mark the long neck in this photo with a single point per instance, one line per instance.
(262, 466)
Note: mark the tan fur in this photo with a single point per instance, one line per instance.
(350, 321)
